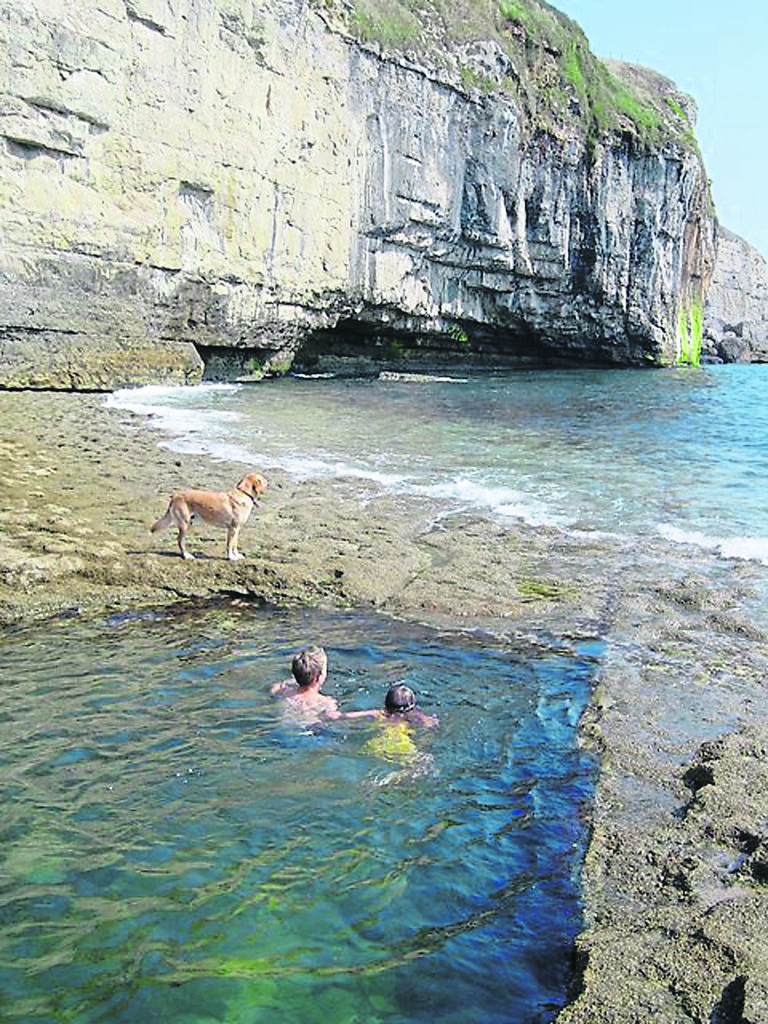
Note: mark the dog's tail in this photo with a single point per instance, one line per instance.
(162, 522)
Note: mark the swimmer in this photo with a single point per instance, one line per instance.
(400, 703)
(399, 707)
(395, 742)
(301, 693)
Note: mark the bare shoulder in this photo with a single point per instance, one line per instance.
(427, 721)
(329, 706)
(309, 707)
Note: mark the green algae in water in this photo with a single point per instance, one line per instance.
(174, 851)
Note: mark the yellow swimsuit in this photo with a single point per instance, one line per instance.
(393, 743)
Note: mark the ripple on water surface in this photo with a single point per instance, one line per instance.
(172, 851)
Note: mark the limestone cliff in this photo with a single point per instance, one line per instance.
(736, 313)
(242, 184)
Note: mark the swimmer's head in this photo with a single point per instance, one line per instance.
(399, 699)
(309, 665)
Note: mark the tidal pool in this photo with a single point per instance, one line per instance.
(173, 851)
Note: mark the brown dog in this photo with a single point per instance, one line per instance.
(222, 508)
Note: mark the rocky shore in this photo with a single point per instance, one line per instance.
(676, 875)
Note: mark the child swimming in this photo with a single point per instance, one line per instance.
(400, 703)
(400, 714)
(399, 706)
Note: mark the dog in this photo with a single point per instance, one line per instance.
(222, 508)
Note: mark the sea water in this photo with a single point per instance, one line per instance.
(679, 454)
(174, 850)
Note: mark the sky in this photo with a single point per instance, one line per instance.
(718, 53)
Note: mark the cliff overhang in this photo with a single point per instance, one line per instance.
(212, 189)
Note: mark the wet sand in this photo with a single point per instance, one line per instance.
(676, 877)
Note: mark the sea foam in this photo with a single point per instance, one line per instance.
(753, 549)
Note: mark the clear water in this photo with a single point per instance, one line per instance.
(677, 454)
(172, 851)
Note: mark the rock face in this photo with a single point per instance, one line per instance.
(221, 186)
(736, 314)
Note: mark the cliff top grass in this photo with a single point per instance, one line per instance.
(534, 52)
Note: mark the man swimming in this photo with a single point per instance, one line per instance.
(301, 693)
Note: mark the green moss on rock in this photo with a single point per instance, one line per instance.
(558, 80)
(690, 327)
(533, 589)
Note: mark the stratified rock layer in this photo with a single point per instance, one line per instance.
(237, 185)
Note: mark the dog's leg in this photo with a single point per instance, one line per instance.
(232, 553)
(184, 524)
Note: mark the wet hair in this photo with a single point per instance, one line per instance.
(399, 699)
(308, 665)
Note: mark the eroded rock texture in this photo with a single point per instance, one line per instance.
(239, 186)
(736, 323)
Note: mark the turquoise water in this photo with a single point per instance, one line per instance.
(679, 455)
(172, 850)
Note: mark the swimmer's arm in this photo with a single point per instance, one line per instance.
(372, 713)
(283, 686)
